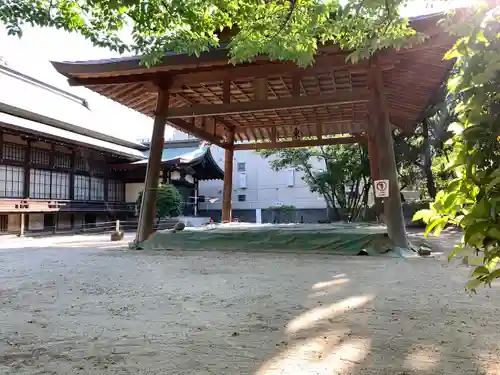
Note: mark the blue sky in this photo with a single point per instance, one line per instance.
(31, 54)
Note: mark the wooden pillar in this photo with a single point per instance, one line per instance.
(148, 205)
(21, 229)
(72, 176)
(195, 198)
(56, 221)
(387, 170)
(228, 182)
(374, 166)
(27, 170)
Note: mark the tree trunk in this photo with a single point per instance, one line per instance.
(427, 167)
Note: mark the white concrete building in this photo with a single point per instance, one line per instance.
(256, 187)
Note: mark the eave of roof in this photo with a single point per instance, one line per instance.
(54, 119)
(39, 129)
(409, 84)
(171, 60)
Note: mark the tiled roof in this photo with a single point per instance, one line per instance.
(33, 127)
(42, 102)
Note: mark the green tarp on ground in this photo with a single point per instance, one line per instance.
(298, 238)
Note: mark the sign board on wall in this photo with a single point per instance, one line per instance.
(381, 188)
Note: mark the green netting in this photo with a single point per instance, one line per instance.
(323, 239)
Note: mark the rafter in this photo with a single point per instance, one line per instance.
(299, 143)
(229, 72)
(354, 96)
(189, 128)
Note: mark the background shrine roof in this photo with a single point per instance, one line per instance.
(195, 156)
(411, 77)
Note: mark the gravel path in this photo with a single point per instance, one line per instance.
(72, 306)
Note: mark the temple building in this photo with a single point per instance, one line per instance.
(56, 174)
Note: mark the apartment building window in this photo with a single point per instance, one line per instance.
(62, 161)
(82, 187)
(96, 189)
(39, 157)
(39, 184)
(242, 198)
(60, 185)
(13, 152)
(11, 181)
(241, 167)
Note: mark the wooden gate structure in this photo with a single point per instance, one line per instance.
(270, 104)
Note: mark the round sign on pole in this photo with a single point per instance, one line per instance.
(381, 188)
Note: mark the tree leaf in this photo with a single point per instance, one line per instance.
(473, 284)
(423, 215)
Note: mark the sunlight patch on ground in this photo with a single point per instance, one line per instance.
(488, 362)
(317, 314)
(326, 284)
(319, 355)
(423, 359)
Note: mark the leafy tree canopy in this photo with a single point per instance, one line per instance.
(282, 30)
(472, 199)
(168, 201)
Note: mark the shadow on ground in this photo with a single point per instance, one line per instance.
(87, 310)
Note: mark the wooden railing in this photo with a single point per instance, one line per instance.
(39, 205)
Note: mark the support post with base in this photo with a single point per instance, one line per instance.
(386, 160)
(148, 204)
(228, 181)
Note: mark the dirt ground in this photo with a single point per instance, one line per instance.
(79, 306)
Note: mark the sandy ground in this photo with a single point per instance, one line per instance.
(78, 306)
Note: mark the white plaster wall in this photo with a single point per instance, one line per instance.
(132, 191)
(35, 222)
(265, 187)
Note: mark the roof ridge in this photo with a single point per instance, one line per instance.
(14, 73)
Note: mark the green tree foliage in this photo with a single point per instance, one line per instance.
(168, 201)
(340, 173)
(422, 154)
(472, 199)
(280, 29)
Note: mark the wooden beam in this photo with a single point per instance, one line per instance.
(354, 96)
(319, 130)
(197, 132)
(296, 79)
(299, 143)
(210, 125)
(225, 124)
(226, 91)
(260, 89)
(274, 135)
(226, 71)
(286, 68)
(313, 122)
(254, 71)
